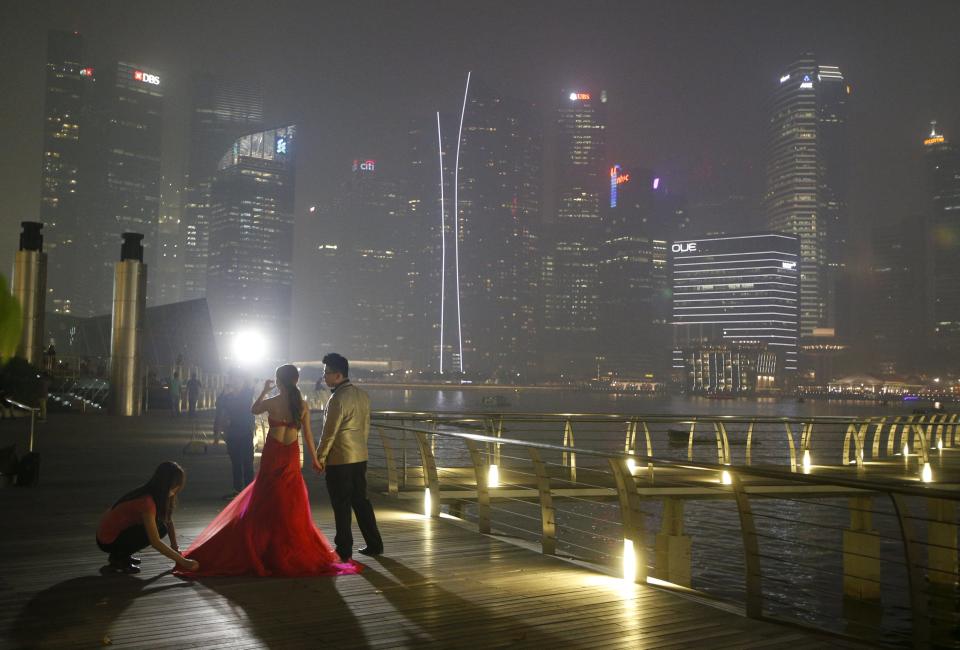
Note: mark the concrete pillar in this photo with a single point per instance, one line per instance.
(861, 553)
(30, 290)
(129, 305)
(672, 548)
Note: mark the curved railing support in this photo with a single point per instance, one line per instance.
(751, 550)
(480, 470)
(793, 448)
(750, 443)
(431, 480)
(393, 484)
(911, 552)
(723, 443)
(569, 458)
(548, 537)
(631, 514)
(693, 429)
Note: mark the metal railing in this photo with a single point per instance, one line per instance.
(876, 559)
(799, 442)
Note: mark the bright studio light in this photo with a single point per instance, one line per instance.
(926, 474)
(806, 461)
(249, 347)
(427, 503)
(726, 478)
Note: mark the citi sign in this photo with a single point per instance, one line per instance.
(146, 77)
(690, 247)
(364, 165)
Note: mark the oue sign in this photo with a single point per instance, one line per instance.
(684, 248)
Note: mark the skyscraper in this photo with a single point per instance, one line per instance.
(737, 290)
(359, 298)
(250, 270)
(223, 110)
(499, 207)
(121, 172)
(898, 334)
(571, 259)
(67, 83)
(805, 188)
(634, 307)
(943, 174)
(474, 197)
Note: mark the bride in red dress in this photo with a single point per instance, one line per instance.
(267, 529)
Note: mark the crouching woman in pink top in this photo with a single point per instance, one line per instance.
(143, 517)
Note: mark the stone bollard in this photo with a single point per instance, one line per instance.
(672, 547)
(861, 553)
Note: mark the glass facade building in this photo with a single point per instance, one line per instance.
(66, 89)
(250, 265)
(806, 185)
(739, 290)
(223, 110)
(943, 179)
(571, 282)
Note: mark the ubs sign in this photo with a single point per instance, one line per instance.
(688, 247)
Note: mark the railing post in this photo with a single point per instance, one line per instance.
(877, 436)
(750, 442)
(751, 549)
(483, 490)
(646, 433)
(723, 443)
(630, 513)
(569, 458)
(693, 428)
(918, 601)
(431, 480)
(861, 553)
(793, 448)
(393, 488)
(548, 537)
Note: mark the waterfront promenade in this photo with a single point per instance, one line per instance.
(440, 583)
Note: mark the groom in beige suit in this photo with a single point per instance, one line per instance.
(342, 454)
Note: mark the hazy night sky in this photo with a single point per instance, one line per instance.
(687, 81)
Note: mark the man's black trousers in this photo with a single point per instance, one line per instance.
(347, 487)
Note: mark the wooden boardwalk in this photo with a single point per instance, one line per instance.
(439, 585)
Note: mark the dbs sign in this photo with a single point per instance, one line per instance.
(146, 77)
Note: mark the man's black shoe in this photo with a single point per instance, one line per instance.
(366, 550)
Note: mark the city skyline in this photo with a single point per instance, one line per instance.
(695, 190)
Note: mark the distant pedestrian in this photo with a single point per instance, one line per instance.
(236, 423)
(193, 393)
(50, 357)
(175, 389)
(143, 517)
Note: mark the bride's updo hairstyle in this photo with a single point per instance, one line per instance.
(287, 377)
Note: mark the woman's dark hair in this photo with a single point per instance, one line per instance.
(167, 476)
(288, 376)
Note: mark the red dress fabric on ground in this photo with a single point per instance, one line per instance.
(268, 530)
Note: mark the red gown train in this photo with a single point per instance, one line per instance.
(267, 529)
